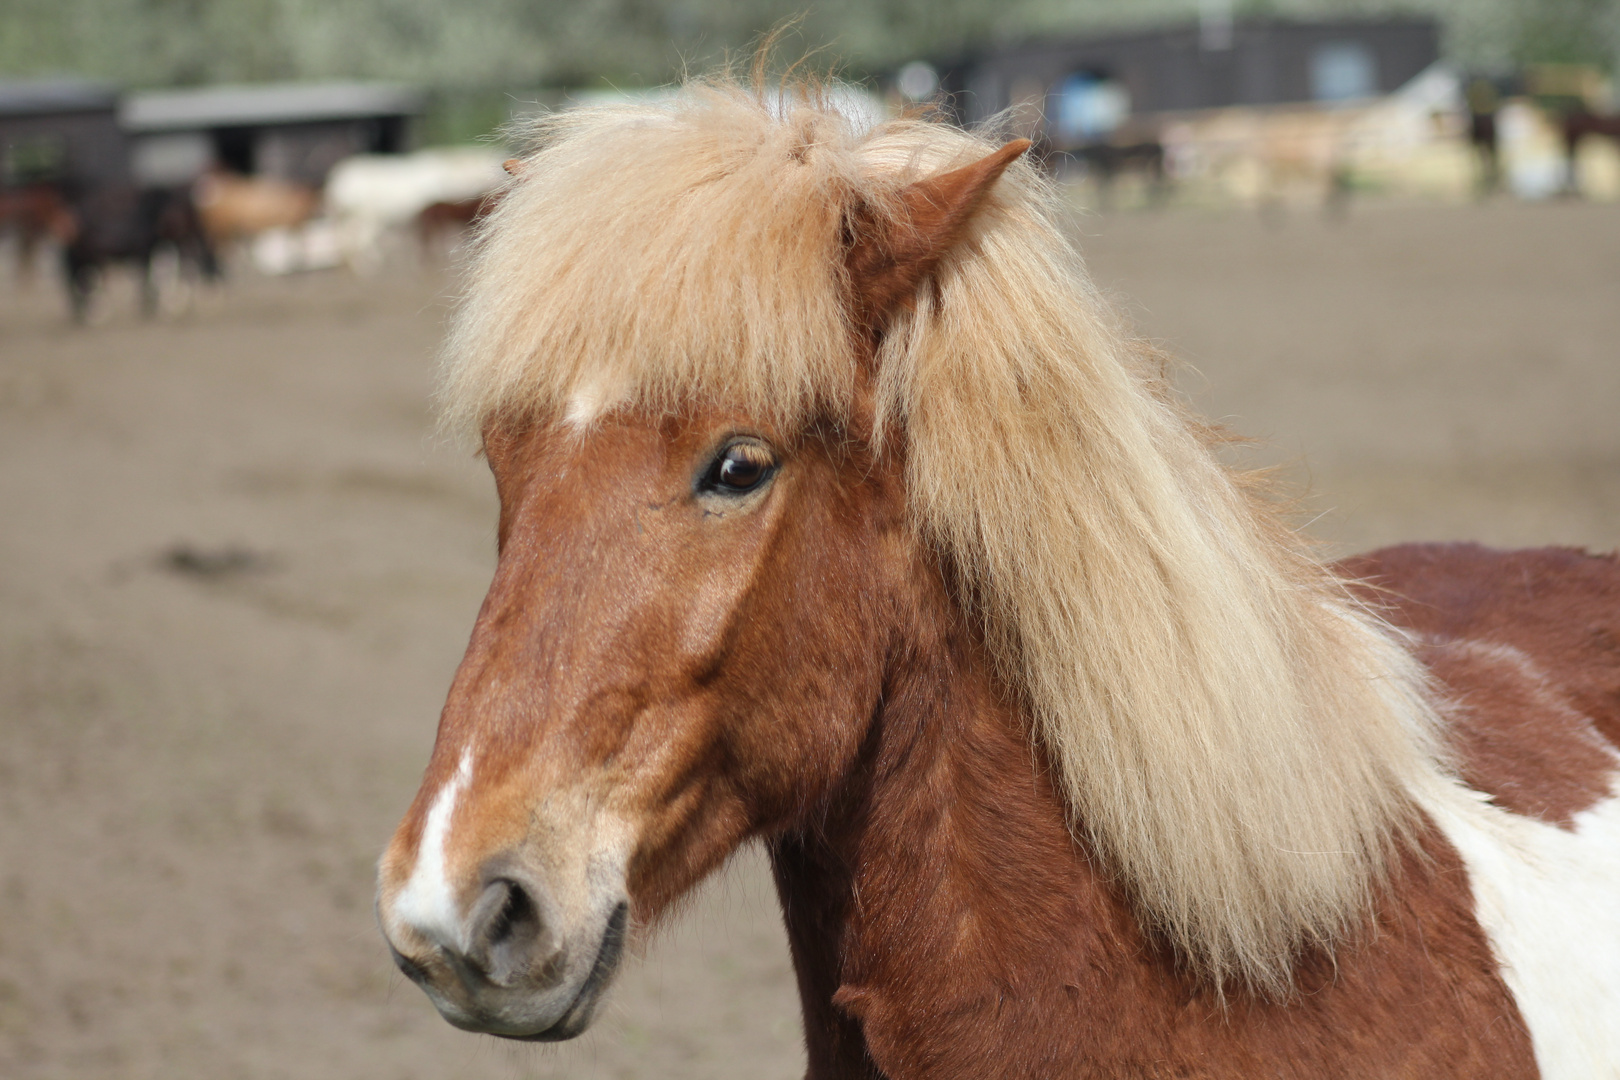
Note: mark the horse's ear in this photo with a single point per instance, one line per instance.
(888, 260)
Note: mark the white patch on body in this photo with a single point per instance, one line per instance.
(1549, 901)
(427, 903)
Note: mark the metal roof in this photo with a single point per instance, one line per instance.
(41, 97)
(276, 103)
(1170, 32)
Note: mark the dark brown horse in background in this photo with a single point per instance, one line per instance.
(113, 224)
(837, 514)
(96, 226)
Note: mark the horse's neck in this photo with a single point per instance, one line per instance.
(930, 911)
(944, 922)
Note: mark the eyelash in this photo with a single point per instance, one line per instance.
(745, 456)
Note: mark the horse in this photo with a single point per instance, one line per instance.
(838, 513)
(1576, 126)
(35, 213)
(441, 225)
(235, 208)
(371, 197)
(106, 224)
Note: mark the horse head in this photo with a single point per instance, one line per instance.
(684, 646)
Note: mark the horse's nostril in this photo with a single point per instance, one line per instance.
(517, 923)
(509, 938)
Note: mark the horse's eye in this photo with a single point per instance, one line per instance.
(741, 467)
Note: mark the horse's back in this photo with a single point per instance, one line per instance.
(1526, 646)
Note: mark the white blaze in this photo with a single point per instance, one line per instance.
(427, 903)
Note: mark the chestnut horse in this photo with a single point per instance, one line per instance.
(838, 513)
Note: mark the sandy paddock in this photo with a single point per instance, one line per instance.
(236, 573)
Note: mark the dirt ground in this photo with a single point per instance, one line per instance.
(237, 572)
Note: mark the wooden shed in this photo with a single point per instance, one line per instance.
(1084, 86)
(61, 132)
(290, 131)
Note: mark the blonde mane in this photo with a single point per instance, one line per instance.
(1236, 737)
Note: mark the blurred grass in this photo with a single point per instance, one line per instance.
(472, 51)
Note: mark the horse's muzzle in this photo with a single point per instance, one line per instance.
(514, 970)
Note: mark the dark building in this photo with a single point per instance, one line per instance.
(293, 131)
(1084, 84)
(60, 132)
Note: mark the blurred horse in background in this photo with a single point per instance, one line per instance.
(35, 214)
(234, 208)
(112, 224)
(1577, 126)
(373, 198)
(440, 226)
